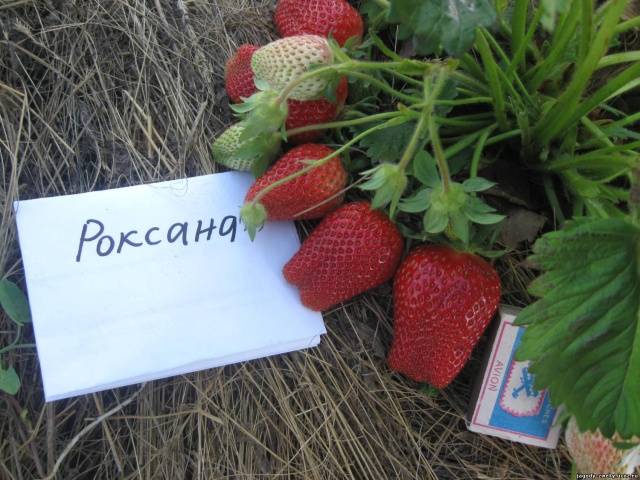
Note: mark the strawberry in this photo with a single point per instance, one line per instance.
(318, 17)
(593, 453)
(238, 76)
(227, 149)
(309, 112)
(282, 61)
(443, 301)
(322, 184)
(239, 83)
(354, 248)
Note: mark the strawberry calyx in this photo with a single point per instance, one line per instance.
(389, 181)
(253, 215)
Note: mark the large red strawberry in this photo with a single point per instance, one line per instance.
(310, 112)
(238, 76)
(353, 249)
(443, 301)
(319, 17)
(321, 186)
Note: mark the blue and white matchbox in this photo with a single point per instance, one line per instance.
(507, 402)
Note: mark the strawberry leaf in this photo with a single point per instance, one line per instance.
(387, 145)
(583, 335)
(449, 24)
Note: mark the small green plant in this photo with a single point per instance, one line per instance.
(15, 305)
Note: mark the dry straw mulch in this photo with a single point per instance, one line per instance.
(99, 94)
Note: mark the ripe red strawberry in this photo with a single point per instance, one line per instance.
(320, 184)
(353, 249)
(309, 112)
(238, 75)
(593, 453)
(443, 301)
(319, 17)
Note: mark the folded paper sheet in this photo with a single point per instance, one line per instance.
(145, 282)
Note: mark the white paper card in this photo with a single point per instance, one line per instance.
(135, 284)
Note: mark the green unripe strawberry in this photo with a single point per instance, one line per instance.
(284, 60)
(236, 153)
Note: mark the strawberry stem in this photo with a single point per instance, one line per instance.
(348, 67)
(284, 95)
(429, 101)
(438, 152)
(346, 123)
(384, 86)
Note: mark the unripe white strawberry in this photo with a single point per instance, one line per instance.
(234, 152)
(225, 147)
(593, 453)
(284, 60)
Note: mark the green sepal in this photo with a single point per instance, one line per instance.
(416, 203)
(267, 115)
(435, 221)
(389, 182)
(425, 169)
(253, 215)
(479, 212)
(460, 227)
(477, 184)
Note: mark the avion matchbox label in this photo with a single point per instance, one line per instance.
(508, 404)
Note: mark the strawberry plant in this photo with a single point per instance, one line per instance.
(536, 86)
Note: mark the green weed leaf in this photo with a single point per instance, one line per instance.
(14, 302)
(583, 335)
(9, 381)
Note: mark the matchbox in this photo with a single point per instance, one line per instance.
(506, 403)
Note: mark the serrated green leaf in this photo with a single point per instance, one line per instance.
(450, 24)
(9, 381)
(14, 302)
(387, 145)
(477, 184)
(583, 335)
(425, 169)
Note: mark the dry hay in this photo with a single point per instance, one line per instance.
(98, 94)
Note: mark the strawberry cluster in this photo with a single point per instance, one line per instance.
(444, 299)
